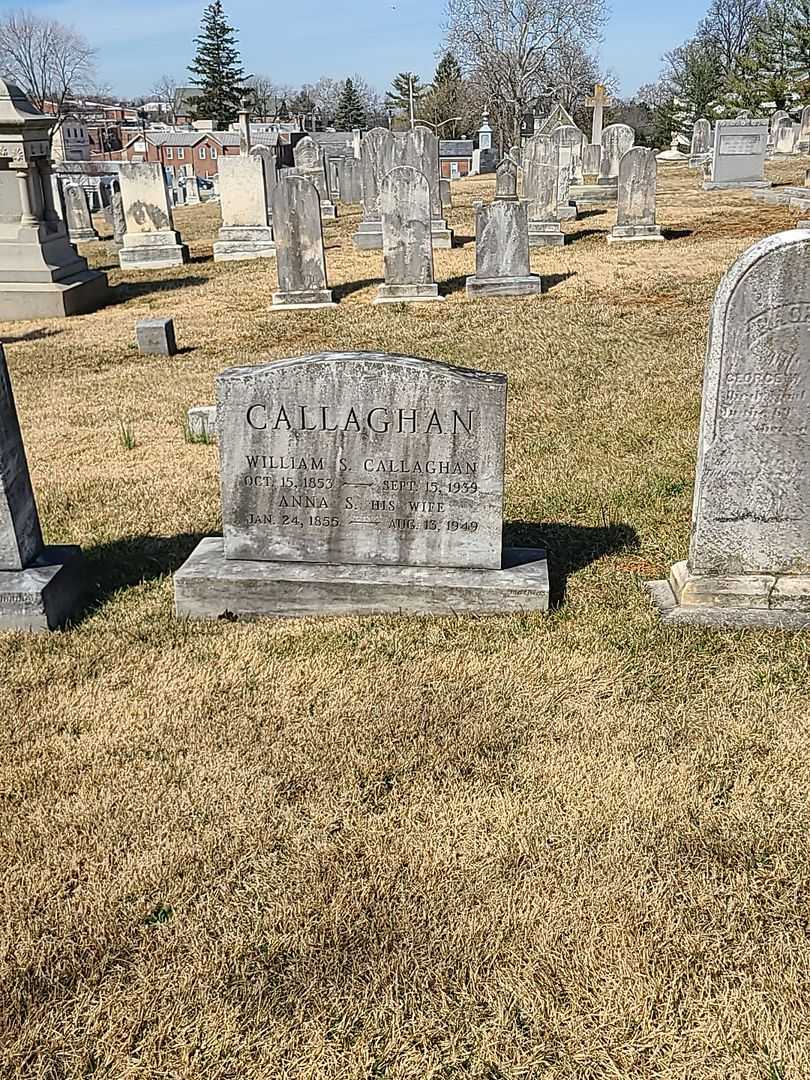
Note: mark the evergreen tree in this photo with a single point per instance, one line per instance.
(351, 112)
(772, 69)
(283, 111)
(446, 97)
(217, 69)
(399, 96)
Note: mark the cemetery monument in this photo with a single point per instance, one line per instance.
(407, 243)
(738, 155)
(245, 232)
(300, 255)
(150, 241)
(635, 218)
(502, 251)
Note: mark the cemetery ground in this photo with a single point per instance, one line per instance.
(563, 846)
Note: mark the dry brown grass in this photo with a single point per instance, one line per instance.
(503, 849)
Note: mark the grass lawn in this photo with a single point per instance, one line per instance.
(524, 848)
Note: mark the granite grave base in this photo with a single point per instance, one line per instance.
(237, 243)
(53, 299)
(209, 586)
(545, 234)
(407, 294)
(44, 595)
(311, 298)
(780, 601)
(627, 234)
(729, 185)
(477, 287)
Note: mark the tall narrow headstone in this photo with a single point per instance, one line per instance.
(351, 191)
(700, 150)
(591, 162)
(119, 221)
(311, 163)
(540, 187)
(40, 587)
(447, 195)
(738, 155)
(635, 219)
(784, 138)
(506, 180)
(267, 156)
(79, 221)
(376, 161)
(355, 483)
(502, 251)
(299, 246)
(407, 245)
(803, 144)
(567, 143)
(419, 148)
(749, 557)
(150, 241)
(245, 232)
(617, 139)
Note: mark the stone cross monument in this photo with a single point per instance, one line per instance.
(599, 101)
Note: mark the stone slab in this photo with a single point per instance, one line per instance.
(728, 185)
(155, 337)
(46, 594)
(53, 300)
(546, 239)
(519, 286)
(290, 301)
(208, 586)
(407, 294)
(629, 234)
(152, 257)
(671, 613)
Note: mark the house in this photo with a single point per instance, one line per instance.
(455, 158)
(182, 153)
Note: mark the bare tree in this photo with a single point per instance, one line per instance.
(511, 49)
(729, 27)
(164, 92)
(49, 61)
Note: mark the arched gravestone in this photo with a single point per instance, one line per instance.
(311, 163)
(617, 139)
(268, 158)
(635, 215)
(749, 557)
(407, 246)
(701, 143)
(540, 186)
(355, 483)
(506, 180)
(79, 221)
(784, 138)
(299, 246)
(502, 251)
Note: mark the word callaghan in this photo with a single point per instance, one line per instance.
(380, 419)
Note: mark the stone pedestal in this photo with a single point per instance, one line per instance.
(626, 234)
(590, 194)
(545, 234)
(441, 236)
(403, 294)
(729, 185)
(82, 292)
(237, 243)
(155, 337)
(477, 287)
(45, 594)
(208, 585)
(307, 298)
(368, 236)
(152, 251)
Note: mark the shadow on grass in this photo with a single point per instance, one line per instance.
(130, 290)
(340, 292)
(460, 239)
(676, 234)
(582, 214)
(569, 547)
(457, 283)
(121, 564)
(583, 234)
(550, 280)
(31, 335)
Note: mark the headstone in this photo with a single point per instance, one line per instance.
(376, 161)
(351, 191)
(738, 156)
(193, 196)
(506, 180)
(311, 164)
(502, 251)
(40, 587)
(407, 246)
(784, 138)
(119, 221)
(333, 168)
(617, 139)
(700, 150)
(776, 121)
(299, 246)
(245, 232)
(419, 148)
(201, 421)
(749, 556)
(598, 102)
(150, 241)
(567, 143)
(447, 198)
(357, 483)
(540, 187)
(79, 221)
(41, 274)
(803, 144)
(155, 337)
(267, 155)
(635, 219)
(591, 162)
(516, 154)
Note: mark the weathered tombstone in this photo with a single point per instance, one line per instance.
(41, 274)
(193, 196)
(803, 144)
(617, 139)
(376, 161)
(150, 241)
(635, 219)
(506, 180)
(267, 155)
(351, 191)
(591, 162)
(299, 246)
(201, 422)
(784, 138)
(749, 556)
(540, 187)
(357, 483)
(40, 587)
(567, 143)
(245, 232)
(333, 168)
(119, 221)
(776, 120)
(516, 154)
(407, 246)
(502, 251)
(79, 221)
(738, 155)
(155, 337)
(310, 163)
(419, 148)
(701, 143)
(447, 197)
(558, 116)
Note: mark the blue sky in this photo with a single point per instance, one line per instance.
(139, 40)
